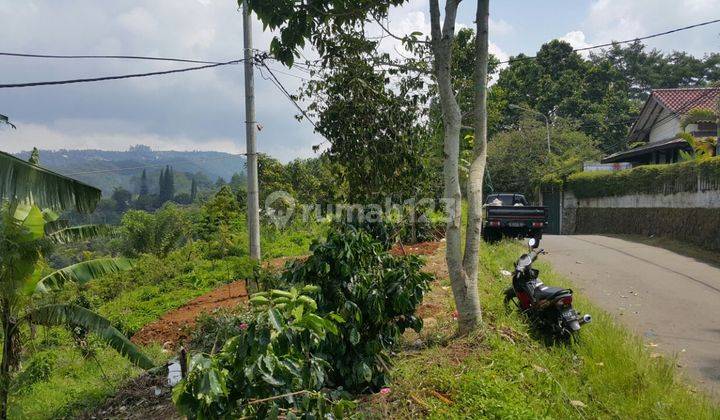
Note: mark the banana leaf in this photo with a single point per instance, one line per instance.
(77, 316)
(82, 273)
(32, 184)
(75, 233)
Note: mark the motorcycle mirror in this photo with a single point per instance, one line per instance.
(533, 243)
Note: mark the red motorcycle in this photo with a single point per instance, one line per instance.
(547, 306)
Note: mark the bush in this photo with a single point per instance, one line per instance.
(278, 353)
(333, 332)
(647, 179)
(39, 368)
(377, 294)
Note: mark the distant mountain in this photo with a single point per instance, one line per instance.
(110, 169)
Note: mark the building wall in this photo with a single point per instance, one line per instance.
(666, 129)
(692, 217)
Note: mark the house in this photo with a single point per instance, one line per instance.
(659, 122)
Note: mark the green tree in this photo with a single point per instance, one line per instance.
(26, 234)
(323, 22)
(518, 160)
(144, 184)
(122, 198)
(167, 184)
(154, 233)
(193, 190)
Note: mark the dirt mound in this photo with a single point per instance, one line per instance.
(421, 248)
(175, 326)
(146, 397)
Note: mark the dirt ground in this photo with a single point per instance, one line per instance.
(150, 396)
(174, 327)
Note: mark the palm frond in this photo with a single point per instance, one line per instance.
(5, 120)
(82, 273)
(77, 316)
(66, 235)
(23, 181)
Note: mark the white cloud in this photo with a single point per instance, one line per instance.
(500, 27)
(577, 40)
(614, 20)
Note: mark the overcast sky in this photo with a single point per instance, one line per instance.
(204, 110)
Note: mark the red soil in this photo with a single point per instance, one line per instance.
(174, 327)
(421, 248)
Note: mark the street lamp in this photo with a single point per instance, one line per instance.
(532, 111)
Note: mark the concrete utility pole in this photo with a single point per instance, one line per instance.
(253, 200)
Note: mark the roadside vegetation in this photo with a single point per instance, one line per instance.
(506, 370)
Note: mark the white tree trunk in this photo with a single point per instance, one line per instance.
(462, 269)
(477, 167)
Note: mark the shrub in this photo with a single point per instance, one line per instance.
(39, 368)
(647, 179)
(377, 294)
(332, 331)
(278, 353)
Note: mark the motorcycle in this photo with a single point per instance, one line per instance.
(550, 307)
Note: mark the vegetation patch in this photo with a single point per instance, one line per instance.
(507, 371)
(648, 179)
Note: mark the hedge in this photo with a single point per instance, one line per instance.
(648, 179)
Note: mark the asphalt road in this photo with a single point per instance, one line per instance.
(669, 299)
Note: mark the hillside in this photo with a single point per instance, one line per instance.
(111, 169)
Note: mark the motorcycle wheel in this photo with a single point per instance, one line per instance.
(510, 296)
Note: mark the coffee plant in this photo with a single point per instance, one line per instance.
(306, 348)
(377, 294)
(273, 367)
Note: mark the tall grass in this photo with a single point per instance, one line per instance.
(507, 370)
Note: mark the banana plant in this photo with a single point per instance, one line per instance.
(703, 147)
(29, 226)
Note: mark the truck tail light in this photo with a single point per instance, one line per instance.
(537, 224)
(494, 223)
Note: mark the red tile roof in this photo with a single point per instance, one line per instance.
(681, 100)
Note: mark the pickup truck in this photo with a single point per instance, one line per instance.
(510, 215)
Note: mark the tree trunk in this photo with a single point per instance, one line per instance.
(8, 331)
(477, 167)
(464, 286)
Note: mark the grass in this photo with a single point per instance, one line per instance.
(679, 247)
(505, 371)
(75, 382)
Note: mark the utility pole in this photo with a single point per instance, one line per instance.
(253, 200)
(547, 121)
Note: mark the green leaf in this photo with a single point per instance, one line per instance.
(82, 273)
(24, 182)
(34, 224)
(77, 233)
(276, 319)
(354, 336)
(72, 315)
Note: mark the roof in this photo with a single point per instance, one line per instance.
(682, 100)
(677, 101)
(645, 149)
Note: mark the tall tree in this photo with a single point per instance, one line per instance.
(193, 190)
(322, 21)
(144, 190)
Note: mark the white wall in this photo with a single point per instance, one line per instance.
(667, 128)
(705, 199)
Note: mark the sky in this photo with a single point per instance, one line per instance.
(204, 110)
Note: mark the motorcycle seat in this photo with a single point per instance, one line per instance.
(542, 292)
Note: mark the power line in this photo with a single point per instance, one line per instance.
(124, 76)
(122, 57)
(627, 41)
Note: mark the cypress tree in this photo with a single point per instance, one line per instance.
(143, 184)
(193, 190)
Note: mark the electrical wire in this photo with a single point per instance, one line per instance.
(124, 76)
(627, 41)
(122, 57)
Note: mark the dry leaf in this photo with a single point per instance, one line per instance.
(576, 403)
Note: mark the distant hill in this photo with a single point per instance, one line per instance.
(111, 169)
